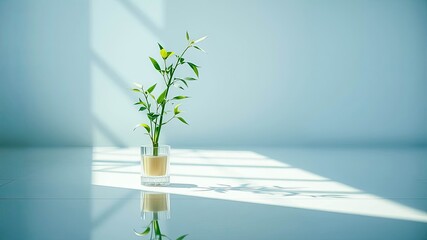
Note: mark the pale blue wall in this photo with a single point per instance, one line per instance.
(44, 73)
(276, 72)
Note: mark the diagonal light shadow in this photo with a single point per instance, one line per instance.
(140, 16)
(246, 184)
(110, 211)
(107, 132)
(392, 173)
(113, 75)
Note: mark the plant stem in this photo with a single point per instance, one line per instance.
(155, 148)
(169, 120)
(159, 126)
(150, 134)
(152, 227)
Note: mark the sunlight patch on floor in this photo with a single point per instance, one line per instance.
(246, 176)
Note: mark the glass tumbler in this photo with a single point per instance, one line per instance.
(155, 163)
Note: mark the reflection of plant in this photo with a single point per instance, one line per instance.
(156, 106)
(153, 229)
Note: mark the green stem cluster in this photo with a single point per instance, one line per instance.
(168, 85)
(156, 117)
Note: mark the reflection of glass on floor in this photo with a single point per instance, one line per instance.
(155, 204)
(158, 206)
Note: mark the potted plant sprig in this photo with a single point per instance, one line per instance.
(155, 158)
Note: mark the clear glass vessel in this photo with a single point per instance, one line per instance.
(155, 163)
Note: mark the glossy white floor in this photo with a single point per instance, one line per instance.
(258, 193)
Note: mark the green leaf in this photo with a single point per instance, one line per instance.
(180, 97)
(152, 116)
(176, 110)
(164, 53)
(146, 127)
(155, 64)
(169, 53)
(170, 68)
(151, 89)
(182, 120)
(200, 39)
(187, 36)
(181, 60)
(161, 97)
(143, 125)
(196, 47)
(136, 90)
(140, 103)
(190, 79)
(182, 237)
(182, 80)
(147, 230)
(194, 67)
(178, 86)
(160, 46)
(142, 109)
(139, 86)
